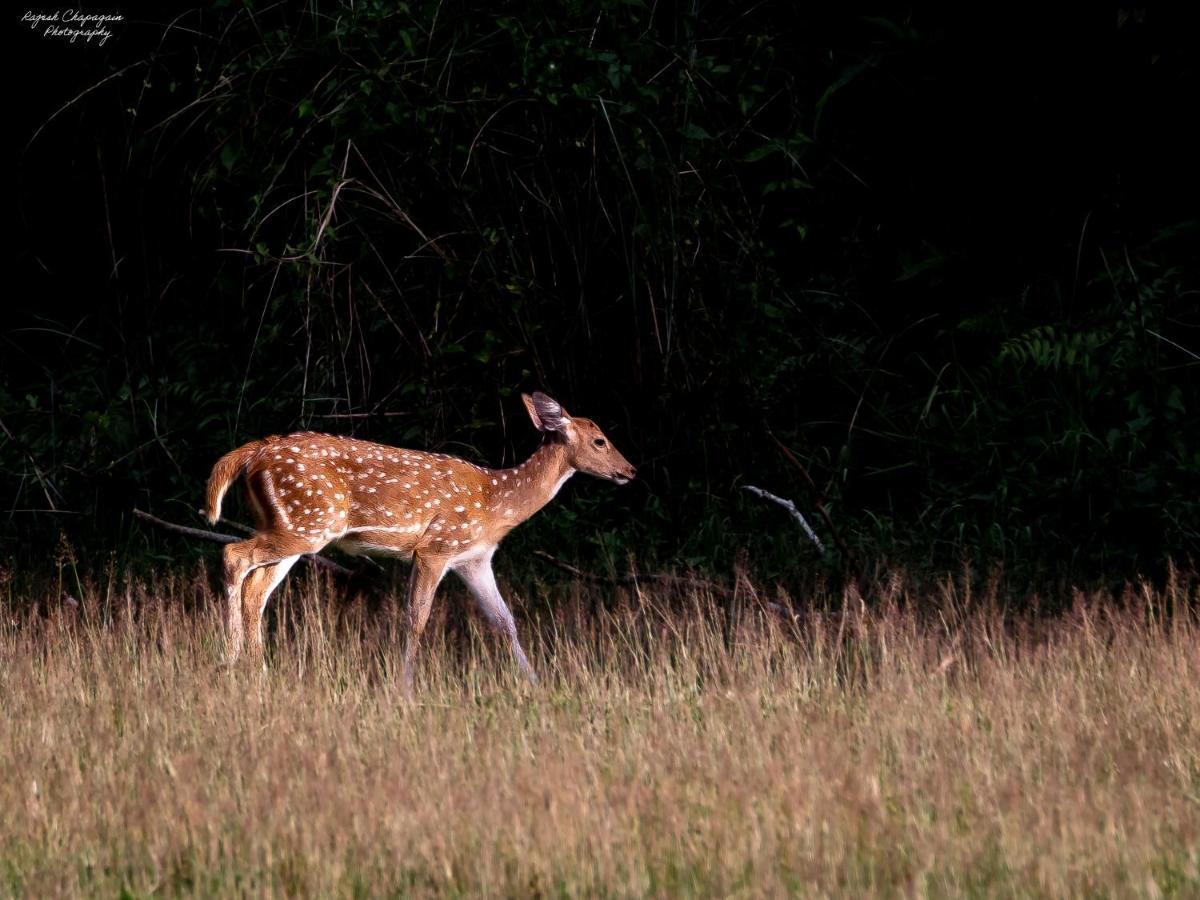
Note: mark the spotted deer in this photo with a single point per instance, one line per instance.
(308, 490)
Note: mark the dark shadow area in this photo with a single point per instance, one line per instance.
(949, 262)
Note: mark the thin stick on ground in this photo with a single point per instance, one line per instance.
(217, 537)
(791, 508)
(631, 578)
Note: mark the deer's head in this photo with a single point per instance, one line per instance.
(588, 450)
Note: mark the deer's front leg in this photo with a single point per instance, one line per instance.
(479, 578)
(422, 585)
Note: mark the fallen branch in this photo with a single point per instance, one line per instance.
(629, 578)
(818, 503)
(216, 537)
(791, 508)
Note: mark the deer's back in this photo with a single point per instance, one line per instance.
(369, 497)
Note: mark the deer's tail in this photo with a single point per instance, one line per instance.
(227, 470)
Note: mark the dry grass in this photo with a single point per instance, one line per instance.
(863, 749)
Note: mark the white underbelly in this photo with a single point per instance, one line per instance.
(357, 547)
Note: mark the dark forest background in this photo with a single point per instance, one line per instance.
(950, 262)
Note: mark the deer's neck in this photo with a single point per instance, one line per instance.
(521, 491)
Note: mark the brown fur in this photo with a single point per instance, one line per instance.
(228, 468)
(308, 490)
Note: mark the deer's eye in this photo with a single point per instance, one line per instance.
(599, 442)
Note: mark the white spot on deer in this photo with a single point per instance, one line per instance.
(459, 508)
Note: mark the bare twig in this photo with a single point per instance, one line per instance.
(791, 508)
(43, 480)
(567, 567)
(1190, 353)
(482, 128)
(80, 96)
(217, 537)
(817, 501)
(213, 536)
(630, 578)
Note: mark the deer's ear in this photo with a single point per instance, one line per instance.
(547, 414)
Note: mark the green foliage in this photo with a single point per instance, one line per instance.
(695, 227)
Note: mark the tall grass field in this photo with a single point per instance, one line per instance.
(905, 742)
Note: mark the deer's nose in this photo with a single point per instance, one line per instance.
(632, 472)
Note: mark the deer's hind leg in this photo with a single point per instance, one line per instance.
(422, 585)
(247, 585)
(254, 567)
(255, 594)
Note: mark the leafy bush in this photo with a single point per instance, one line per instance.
(698, 227)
